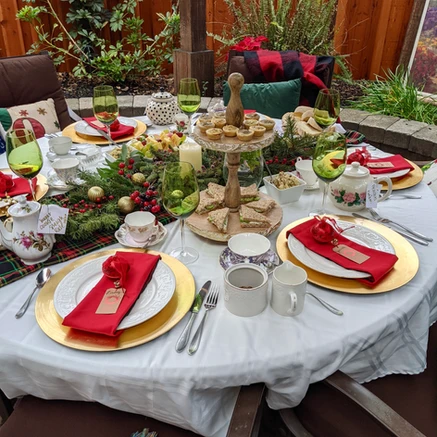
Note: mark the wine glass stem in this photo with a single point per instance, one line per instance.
(189, 125)
(325, 191)
(31, 189)
(182, 237)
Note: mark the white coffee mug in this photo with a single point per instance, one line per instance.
(60, 145)
(246, 288)
(289, 289)
(305, 169)
(66, 169)
(141, 225)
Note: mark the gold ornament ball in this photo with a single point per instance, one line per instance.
(94, 193)
(138, 179)
(126, 204)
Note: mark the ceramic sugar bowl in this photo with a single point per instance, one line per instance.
(162, 108)
(349, 191)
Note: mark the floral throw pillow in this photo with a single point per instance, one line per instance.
(40, 117)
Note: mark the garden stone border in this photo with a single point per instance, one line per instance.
(414, 140)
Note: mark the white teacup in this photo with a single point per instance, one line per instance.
(141, 225)
(60, 145)
(305, 169)
(248, 246)
(289, 289)
(246, 288)
(66, 169)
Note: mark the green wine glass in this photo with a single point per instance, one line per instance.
(327, 108)
(24, 155)
(329, 161)
(189, 98)
(181, 196)
(105, 105)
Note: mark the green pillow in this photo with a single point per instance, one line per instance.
(273, 99)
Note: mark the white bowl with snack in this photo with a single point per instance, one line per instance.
(284, 187)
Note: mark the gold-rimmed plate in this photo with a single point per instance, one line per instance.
(70, 131)
(403, 271)
(409, 180)
(51, 323)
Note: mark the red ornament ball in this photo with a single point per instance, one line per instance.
(323, 232)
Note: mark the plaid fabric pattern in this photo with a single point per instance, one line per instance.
(273, 66)
(12, 269)
(354, 137)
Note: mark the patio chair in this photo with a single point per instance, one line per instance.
(396, 405)
(30, 79)
(52, 418)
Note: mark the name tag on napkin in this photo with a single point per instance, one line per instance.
(111, 301)
(379, 165)
(52, 219)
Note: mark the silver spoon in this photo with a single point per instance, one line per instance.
(329, 307)
(41, 279)
(404, 196)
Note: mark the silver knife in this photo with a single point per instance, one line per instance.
(101, 132)
(404, 234)
(197, 304)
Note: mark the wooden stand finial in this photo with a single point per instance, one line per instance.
(234, 110)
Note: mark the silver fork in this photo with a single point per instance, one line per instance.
(210, 304)
(376, 216)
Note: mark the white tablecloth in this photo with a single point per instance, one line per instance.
(378, 335)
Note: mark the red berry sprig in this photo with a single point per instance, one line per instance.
(147, 200)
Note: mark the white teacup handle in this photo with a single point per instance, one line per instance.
(299, 158)
(389, 185)
(293, 303)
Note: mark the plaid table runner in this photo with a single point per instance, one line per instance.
(12, 269)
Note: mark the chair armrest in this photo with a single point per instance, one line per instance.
(372, 405)
(73, 115)
(247, 413)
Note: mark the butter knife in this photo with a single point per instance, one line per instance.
(101, 132)
(404, 234)
(195, 308)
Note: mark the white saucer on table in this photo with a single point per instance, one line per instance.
(125, 239)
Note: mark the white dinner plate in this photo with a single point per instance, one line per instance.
(78, 283)
(358, 234)
(82, 127)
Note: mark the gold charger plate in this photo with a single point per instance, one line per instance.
(51, 323)
(40, 192)
(409, 180)
(70, 131)
(403, 271)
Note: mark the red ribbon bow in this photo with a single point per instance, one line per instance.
(6, 182)
(361, 156)
(116, 268)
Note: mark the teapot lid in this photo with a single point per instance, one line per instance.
(162, 96)
(355, 170)
(23, 207)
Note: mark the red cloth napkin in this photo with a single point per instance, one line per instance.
(399, 163)
(378, 265)
(21, 186)
(249, 111)
(121, 131)
(84, 317)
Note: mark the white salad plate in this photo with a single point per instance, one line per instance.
(83, 128)
(78, 283)
(358, 234)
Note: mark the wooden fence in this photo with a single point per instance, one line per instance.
(370, 32)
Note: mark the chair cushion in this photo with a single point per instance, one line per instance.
(40, 117)
(30, 79)
(273, 99)
(41, 418)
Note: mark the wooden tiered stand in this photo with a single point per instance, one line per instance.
(232, 146)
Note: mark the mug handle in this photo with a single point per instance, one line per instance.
(389, 184)
(293, 303)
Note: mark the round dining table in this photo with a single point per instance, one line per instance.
(379, 334)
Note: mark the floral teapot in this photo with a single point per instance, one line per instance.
(349, 191)
(21, 235)
(162, 108)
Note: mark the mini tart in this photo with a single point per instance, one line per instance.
(219, 122)
(204, 126)
(258, 131)
(244, 134)
(229, 130)
(268, 124)
(204, 118)
(214, 133)
(249, 122)
(252, 116)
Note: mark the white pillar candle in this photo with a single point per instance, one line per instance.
(191, 152)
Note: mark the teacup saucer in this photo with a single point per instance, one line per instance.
(307, 187)
(268, 260)
(125, 239)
